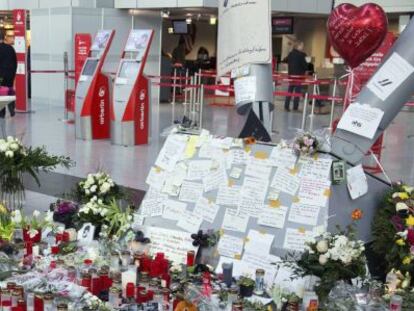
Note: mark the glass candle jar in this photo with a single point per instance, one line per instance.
(259, 287)
(48, 304)
(114, 261)
(114, 297)
(125, 258)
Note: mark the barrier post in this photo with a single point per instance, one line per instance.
(312, 115)
(201, 106)
(305, 108)
(174, 95)
(333, 104)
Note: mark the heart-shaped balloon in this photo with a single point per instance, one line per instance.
(356, 32)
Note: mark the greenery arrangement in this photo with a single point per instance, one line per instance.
(6, 225)
(305, 144)
(16, 160)
(332, 258)
(34, 224)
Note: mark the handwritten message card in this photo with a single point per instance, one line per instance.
(284, 181)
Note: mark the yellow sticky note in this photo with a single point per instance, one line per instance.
(316, 157)
(302, 230)
(216, 253)
(294, 171)
(275, 203)
(231, 183)
(226, 150)
(191, 148)
(262, 155)
(262, 232)
(221, 232)
(158, 170)
(237, 256)
(210, 201)
(296, 200)
(247, 149)
(327, 193)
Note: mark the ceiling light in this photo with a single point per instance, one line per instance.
(213, 20)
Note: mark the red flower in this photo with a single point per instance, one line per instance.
(410, 236)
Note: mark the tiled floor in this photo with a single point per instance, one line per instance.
(130, 165)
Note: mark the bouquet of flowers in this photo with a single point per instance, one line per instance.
(333, 258)
(393, 230)
(6, 225)
(32, 227)
(305, 144)
(97, 188)
(16, 159)
(64, 212)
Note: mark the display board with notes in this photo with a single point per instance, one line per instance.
(263, 199)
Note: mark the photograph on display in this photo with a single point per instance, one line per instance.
(101, 40)
(138, 41)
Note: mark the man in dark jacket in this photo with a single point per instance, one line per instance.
(8, 66)
(297, 66)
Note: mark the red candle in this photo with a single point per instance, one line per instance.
(130, 290)
(58, 237)
(145, 264)
(65, 236)
(96, 285)
(166, 280)
(142, 296)
(38, 303)
(29, 248)
(190, 258)
(150, 295)
(55, 249)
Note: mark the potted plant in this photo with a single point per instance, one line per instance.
(17, 160)
(246, 286)
(32, 227)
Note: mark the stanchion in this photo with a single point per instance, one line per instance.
(333, 105)
(312, 115)
(201, 106)
(305, 108)
(174, 95)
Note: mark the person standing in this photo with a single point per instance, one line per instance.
(297, 66)
(8, 66)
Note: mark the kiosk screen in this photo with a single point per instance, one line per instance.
(129, 70)
(90, 67)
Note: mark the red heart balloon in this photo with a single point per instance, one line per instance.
(356, 32)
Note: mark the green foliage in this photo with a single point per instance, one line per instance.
(246, 281)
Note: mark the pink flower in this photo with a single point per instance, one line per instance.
(410, 236)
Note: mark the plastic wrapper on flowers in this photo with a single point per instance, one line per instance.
(342, 298)
(308, 143)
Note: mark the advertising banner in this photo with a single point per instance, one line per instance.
(19, 22)
(83, 43)
(239, 44)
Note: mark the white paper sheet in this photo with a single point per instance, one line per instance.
(209, 151)
(314, 191)
(362, 120)
(191, 191)
(190, 222)
(239, 156)
(236, 172)
(173, 210)
(254, 188)
(260, 260)
(206, 209)
(171, 152)
(304, 214)
(317, 169)
(174, 244)
(214, 179)
(234, 222)
(245, 89)
(283, 157)
(357, 182)
(288, 281)
(284, 181)
(248, 206)
(258, 242)
(156, 178)
(258, 169)
(230, 246)
(151, 208)
(273, 217)
(295, 239)
(390, 76)
(229, 196)
(198, 169)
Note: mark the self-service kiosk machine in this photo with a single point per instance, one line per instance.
(130, 107)
(93, 92)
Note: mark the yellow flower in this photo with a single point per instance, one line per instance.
(406, 260)
(3, 209)
(410, 221)
(400, 242)
(403, 196)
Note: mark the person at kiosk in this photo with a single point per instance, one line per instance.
(8, 66)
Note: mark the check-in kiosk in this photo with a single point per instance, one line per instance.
(130, 108)
(93, 92)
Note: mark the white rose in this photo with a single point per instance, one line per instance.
(3, 147)
(322, 246)
(16, 217)
(93, 189)
(36, 213)
(323, 260)
(105, 187)
(401, 206)
(9, 154)
(87, 192)
(14, 146)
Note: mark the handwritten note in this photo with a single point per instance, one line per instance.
(236, 172)
(174, 244)
(174, 179)
(214, 179)
(230, 246)
(284, 181)
(198, 169)
(151, 208)
(254, 188)
(259, 242)
(191, 191)
(317, 169)
(173, 210)
(304, 214)
(156, 178)
(239, 157)
(273, 217)
(171, 152)
(234, 222)
(357, 182)
(314, 191)
(249, 206)
(209, 151)
(229, 196)
(261, 260)
(258, 168)
(206, 209)
(283, 157)
(189, 221)
(295, 239)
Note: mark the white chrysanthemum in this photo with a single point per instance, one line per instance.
(105, 188)
(36, 213)
(9, 154)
